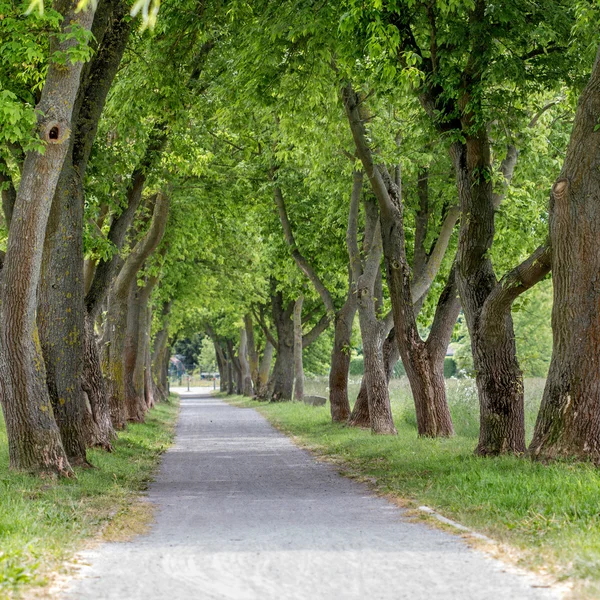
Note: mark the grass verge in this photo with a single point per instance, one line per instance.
(43, 522)
(549, 514)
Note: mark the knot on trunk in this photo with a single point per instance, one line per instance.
(560, 188)
(54, 132)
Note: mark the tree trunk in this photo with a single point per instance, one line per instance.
(244, 364)
(282, 380)
(380, 414)
(161, 356)
(95, 388)
(230, 379)
(33, 436)
(150, 387)
(113, 342)
(360, 413)
(498, 376)
(433, 417)
(253, 362)
(134, 352)
(264, 369)
(365, 273)
(340, 360)
(221, 366)
(425, 368)
(60, 304)
(298, 362)
(60, 315)
(568, 423)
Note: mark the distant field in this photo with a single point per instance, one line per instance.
(462, 398)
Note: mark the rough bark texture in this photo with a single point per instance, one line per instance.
(113, 341)
(94, 387)
(252, 352)
(244, 364)
(236, 368)
(360, 412)
(498, 376)
(281, 384)
(340, 360)
(425, 368)
(135, 349)
(221, 365)
(421, 359)
(264, 369)
(568, 423)
(61, 314)
(160, 356)
(230, 377)
(34, 440)
(365, 273)
(298, 362)
(149, 383)
(61, 309)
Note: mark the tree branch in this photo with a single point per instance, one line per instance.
(261, 321)
(512, 285)
(507, 168)
(352, 230)
(422, 281)
(145, 247)
(316, 331)
(298, 257)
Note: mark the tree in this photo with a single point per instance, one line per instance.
(450, 60)
(34, 440)
(373, 329)
(568, 422)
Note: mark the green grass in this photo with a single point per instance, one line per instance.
(550, 513)
(43, 521)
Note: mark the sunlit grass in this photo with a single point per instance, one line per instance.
(550, 512)
(43, 521)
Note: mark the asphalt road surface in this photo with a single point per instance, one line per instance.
(243, 514)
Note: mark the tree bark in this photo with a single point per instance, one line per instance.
(161, 355)
(568, 423)
(429, 393)
(365, 273)
(33, 436)
(236, 368)
(113, 341)
(134, 350)
(253, 362)
(498, 376)
(150, 387)
(221, 366)
(244, 364)
(264, 369)
(281, 384)
(230, 380)
(298, 362)
(94, 387)
(61, 292)
(340, 359)
(360, 412)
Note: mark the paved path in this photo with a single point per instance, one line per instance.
(245, 515)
